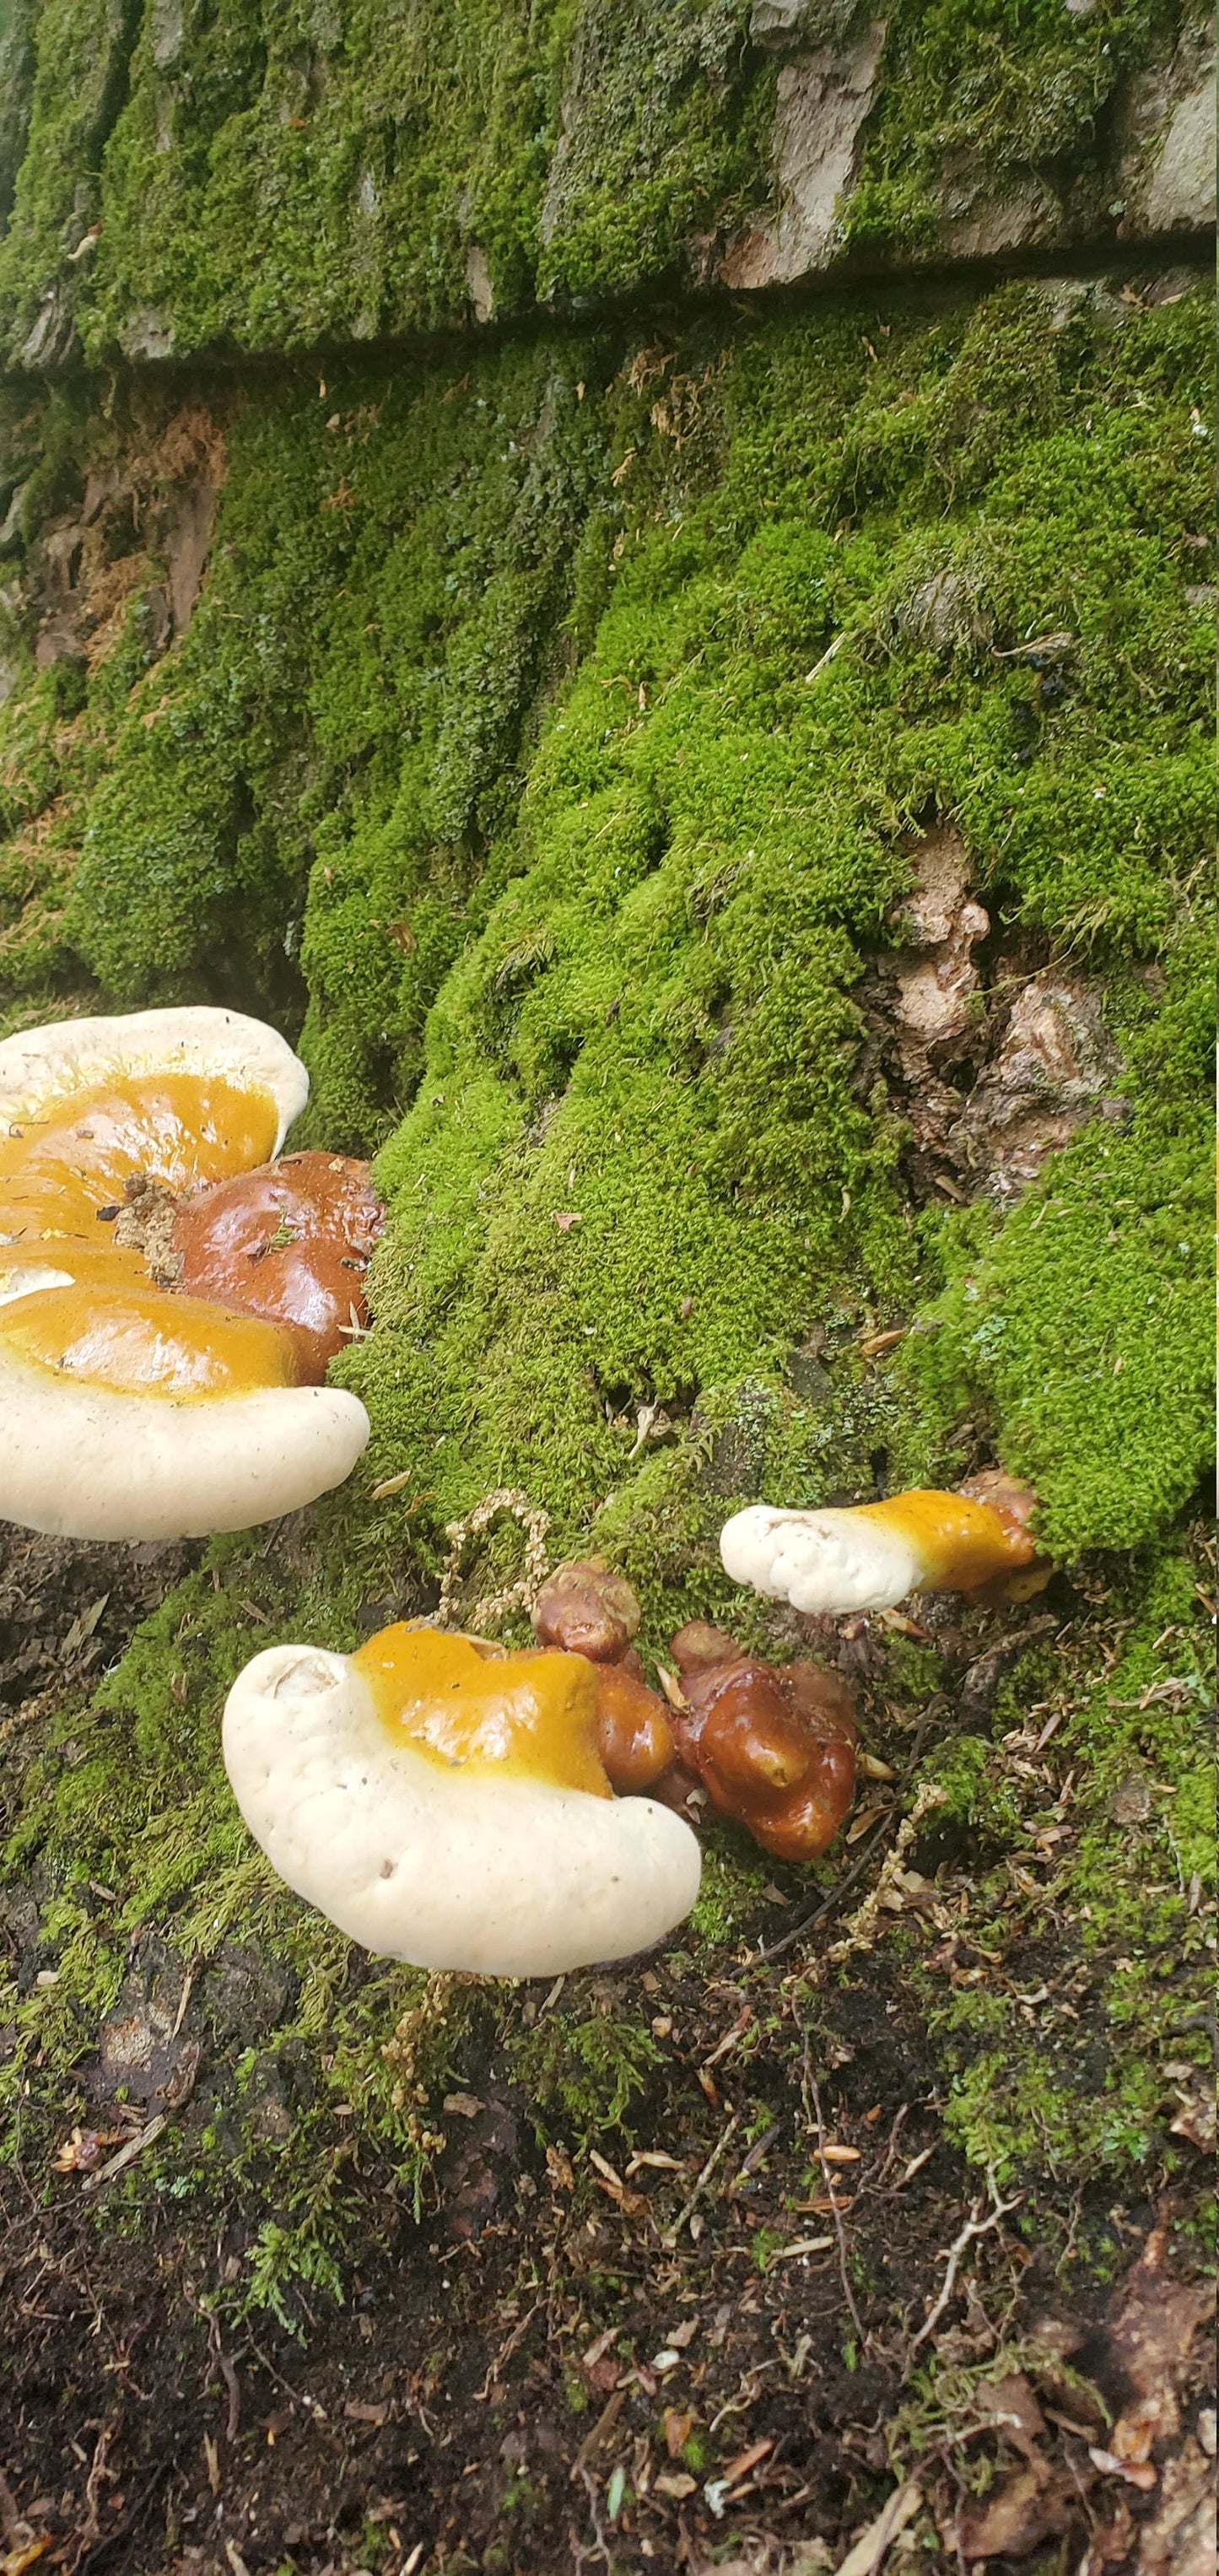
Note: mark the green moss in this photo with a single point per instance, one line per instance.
(1105, 1914)
(598, 904)
(665, 120)
(17, 25)
(589, 2071)
(981, 98)
(79, 76)
(734, 1874)
(302, 178)
(1079, 1326)
(662, 1002)
(336, 175)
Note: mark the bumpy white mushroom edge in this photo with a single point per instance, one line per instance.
(822, 1562)
(79, 1055)
(490, 1874)
(90, 1462)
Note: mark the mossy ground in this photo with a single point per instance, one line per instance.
(502, 760)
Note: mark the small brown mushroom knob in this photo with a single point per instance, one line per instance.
(584, 1608)
(634, 1734)
(291, 1242)
(774, 1747)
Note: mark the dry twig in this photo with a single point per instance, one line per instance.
(975, 2225)
(861, 1930)
(671, 2234)
(828, 1904)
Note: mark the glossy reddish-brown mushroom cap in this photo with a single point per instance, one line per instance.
(774, 1747)
(634, 1734)
(290, 1242)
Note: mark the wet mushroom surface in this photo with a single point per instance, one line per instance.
(159, 1378)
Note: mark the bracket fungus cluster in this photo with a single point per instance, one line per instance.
(170, 1294)
(870, 1555)
(463, 1807)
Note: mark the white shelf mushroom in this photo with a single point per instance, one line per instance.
(450, 1810)
(126, 1411)
(870, 1555)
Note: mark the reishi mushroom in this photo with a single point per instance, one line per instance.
(870, 1555)
(774, 1745)
(290, 1242)
(446, 1803)
(133, 1410)
(585, 1608)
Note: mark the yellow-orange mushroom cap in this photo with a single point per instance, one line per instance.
(451, 1810)
(129, 1412)
(870, 1555)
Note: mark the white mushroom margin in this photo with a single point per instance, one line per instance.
(81, 1461)
(824, 1563)
(474, 1870)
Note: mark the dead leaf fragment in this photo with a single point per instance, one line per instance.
(15, 2561)
(1150, 2342)
(600, 2433)
(1179, 2540)
(870, 2548)
(559, 2168)
(83, 1626)
(633, 2204)
(678, 2486)
(1024, 2510)
(1011, 2404)
(672, 1688)
(744, 2462)
(1196, 2118)
(1137, 2473)
(82, 2152)
(803, 2245)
